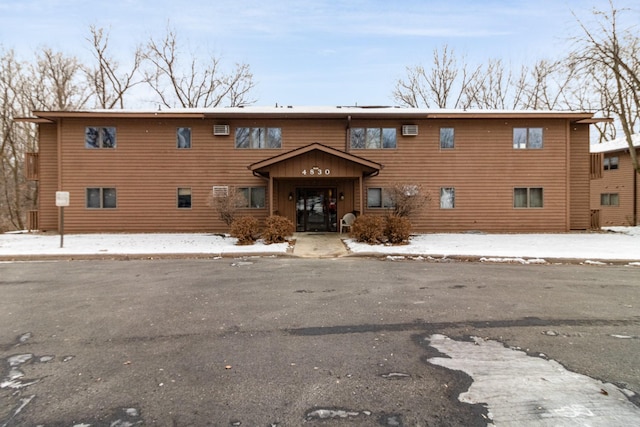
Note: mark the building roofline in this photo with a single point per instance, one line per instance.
(318, 112)
(618, 144)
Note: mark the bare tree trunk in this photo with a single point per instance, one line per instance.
(610, 56)
(196, 85)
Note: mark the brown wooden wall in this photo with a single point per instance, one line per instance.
(146, 168)
(618, 181)
(48, 178)
(484, 169)
(579, 174)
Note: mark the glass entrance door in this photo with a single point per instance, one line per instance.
(316, 209)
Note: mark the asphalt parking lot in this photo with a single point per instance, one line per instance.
(259, 341)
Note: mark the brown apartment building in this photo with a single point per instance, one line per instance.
(155, 171)
(615, 186)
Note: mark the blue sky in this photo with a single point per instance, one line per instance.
(308, 52)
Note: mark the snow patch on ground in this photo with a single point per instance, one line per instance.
(612, 244)
(519, 389)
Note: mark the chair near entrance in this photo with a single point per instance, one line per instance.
(347, 221)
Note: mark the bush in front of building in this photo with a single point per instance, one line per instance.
(397, 229)
(277, 229)
(245, 229)
(368, 229)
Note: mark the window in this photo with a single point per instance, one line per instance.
(446, 138)
(258, 138)
(184, 198)
(183, 137)
(527, 138)
(527, 197)
(609, 199)
(447, 198)
(99, 137)
(101, 198)
(610, 163)
(379, 198)
(254, 197)
(373, 138)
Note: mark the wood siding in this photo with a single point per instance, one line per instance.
(48, 174)
(146, 169)
(579, 167)
(484, 169)
(618, 181)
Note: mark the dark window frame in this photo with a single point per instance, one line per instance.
(384, 197)
(103, 198)
(251, 201)
(373, 138)
(100, 137)
(258, 138)
(453, 197)
(526, 138)
(446, 139)
(610, 199)
(183, 138)
(529, 199)
(184, 201)
(610, 163)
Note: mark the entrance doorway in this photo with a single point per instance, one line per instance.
(316, 209)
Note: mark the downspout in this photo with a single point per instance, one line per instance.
(60, 180)
(347, 140)
(635, 196)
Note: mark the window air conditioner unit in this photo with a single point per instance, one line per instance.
(409, 130)
(221, 129)
(220, 191)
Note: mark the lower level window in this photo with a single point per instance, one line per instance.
(527, 197)
(254, 197)
(184, 198)
(101, 198)
(609, 199)
(379, 198)
(447, 198)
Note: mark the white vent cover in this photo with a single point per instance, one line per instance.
(221, 129)
(220, 191)
(409, 130)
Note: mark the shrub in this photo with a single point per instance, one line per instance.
(397, 229)
(407, 198)
(226, 204)
(368, 229)
(245, 229)
(277, 229)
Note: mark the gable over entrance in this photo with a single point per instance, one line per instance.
(315, 161)
(331, 175)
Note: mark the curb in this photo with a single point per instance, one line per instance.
(436, 258)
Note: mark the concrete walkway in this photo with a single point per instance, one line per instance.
(319, 245)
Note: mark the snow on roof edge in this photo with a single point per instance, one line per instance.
(615, 144)
(319, 110)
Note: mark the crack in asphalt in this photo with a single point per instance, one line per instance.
(420, 325)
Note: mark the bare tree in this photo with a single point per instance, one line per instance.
(610, 56)
(441, 86)
(546, 85)
(226, 203)
(407, 199)
(452, 83)
(59, 83)
(192, 84)
(52, 81)
(105, 79)
(17, 195)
